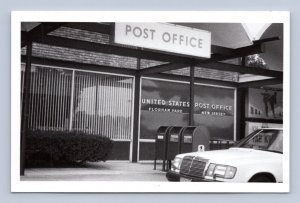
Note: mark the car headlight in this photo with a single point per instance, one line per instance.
(221, 171)
(176, 164)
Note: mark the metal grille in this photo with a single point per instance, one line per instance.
(193, 166)
(185, 164)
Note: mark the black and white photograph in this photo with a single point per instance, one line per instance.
(150, 101)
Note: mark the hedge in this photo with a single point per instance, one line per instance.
(63, 147)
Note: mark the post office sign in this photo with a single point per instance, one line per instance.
(165, 37)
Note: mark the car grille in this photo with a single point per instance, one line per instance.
(193, 166)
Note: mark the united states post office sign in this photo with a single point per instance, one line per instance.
(165, 37)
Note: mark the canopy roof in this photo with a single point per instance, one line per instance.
(273, 54)
(88, 45)
(230, 35)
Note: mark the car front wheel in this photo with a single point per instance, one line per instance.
(262, 179)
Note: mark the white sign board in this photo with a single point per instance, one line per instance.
(165, 37)
(201, 148)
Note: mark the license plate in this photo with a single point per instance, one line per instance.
(185, 180)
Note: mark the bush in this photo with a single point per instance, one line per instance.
(62, 147)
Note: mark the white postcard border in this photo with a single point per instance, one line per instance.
(144, 16)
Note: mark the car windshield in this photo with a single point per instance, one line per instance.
(266, 140)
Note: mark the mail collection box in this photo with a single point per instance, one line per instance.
(174, 141)
(161, 145)
(194, 138)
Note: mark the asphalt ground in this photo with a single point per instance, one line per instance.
(99, 171)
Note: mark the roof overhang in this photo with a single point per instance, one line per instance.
(223, 48)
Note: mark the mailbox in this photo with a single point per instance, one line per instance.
(174, 142)
(161, 145)
(193, 137)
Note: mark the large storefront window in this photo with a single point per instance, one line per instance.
(167, 103)
(214, 109)
(264, 106)
(264, 103)
(50, 98)
(101, 104)
(163, 103)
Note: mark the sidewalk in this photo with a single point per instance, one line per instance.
(99, 171)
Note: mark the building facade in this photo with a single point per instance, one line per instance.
(99, 93)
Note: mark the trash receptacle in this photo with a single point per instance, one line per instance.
(161, 145)
(174, 142)
(192, 137)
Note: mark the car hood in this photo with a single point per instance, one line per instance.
(234, 155)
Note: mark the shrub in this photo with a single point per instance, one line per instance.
(62, 147)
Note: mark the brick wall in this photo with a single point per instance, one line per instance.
(60, 53)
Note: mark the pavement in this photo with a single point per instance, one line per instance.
(97, 171)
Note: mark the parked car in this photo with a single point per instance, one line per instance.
(256, 158)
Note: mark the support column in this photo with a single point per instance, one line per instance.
(25, 107)
(240, 115)
(136, 115)
(241, 108)
(192, 107)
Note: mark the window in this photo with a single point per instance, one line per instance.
(101, 104)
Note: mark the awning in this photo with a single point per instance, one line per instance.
(230, 35)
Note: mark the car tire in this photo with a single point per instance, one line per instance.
(261, 179)
(172, 177)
